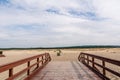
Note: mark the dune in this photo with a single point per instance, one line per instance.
(66, 55)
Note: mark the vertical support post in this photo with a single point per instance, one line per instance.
(37, 62)
(93, 65)
(79, 57)
(103, 64)
(28, 65)
(87, 59)
(45, 57)
(83, 58)
(10, 72)
(42, 59)
(49, 58)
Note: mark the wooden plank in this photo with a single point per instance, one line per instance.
(65, 70)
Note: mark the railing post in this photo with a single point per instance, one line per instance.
(79, 57)
(45, 57)
(83, 57)
(103, 64)
(28, 65)
(10, 72)
(38, 63)
(42, 60)
(49, 57)
(93, 65)
(87, 59)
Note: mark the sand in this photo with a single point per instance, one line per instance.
(66, 55)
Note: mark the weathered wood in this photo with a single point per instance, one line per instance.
(10, 72)
(94, 64)
(87, 59)
(65, 70)
(38, 62)
(28, 65)
(11, 66)
(103, 64)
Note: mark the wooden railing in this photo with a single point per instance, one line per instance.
(40, 61)
(1, 55)
(90, 61)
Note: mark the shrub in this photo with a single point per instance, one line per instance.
(0, 52)
(59, 52)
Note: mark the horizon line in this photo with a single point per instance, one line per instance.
(82, 46)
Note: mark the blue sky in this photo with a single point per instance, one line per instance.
(54, 23)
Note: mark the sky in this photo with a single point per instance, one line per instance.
(56, 23)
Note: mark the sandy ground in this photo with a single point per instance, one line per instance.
(66, 55)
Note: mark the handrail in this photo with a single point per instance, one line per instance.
(42, 58)
(85, 59)
(1, 55)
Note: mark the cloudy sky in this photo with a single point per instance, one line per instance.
(54, 23)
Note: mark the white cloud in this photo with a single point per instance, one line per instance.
(108, 8)
(27, 23)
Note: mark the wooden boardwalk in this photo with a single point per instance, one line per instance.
(44, 69)
(65, 70)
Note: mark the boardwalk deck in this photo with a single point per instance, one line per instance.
(65, 70)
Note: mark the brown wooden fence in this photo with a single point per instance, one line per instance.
(89, 61)
(2, 55)
(41, 61)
